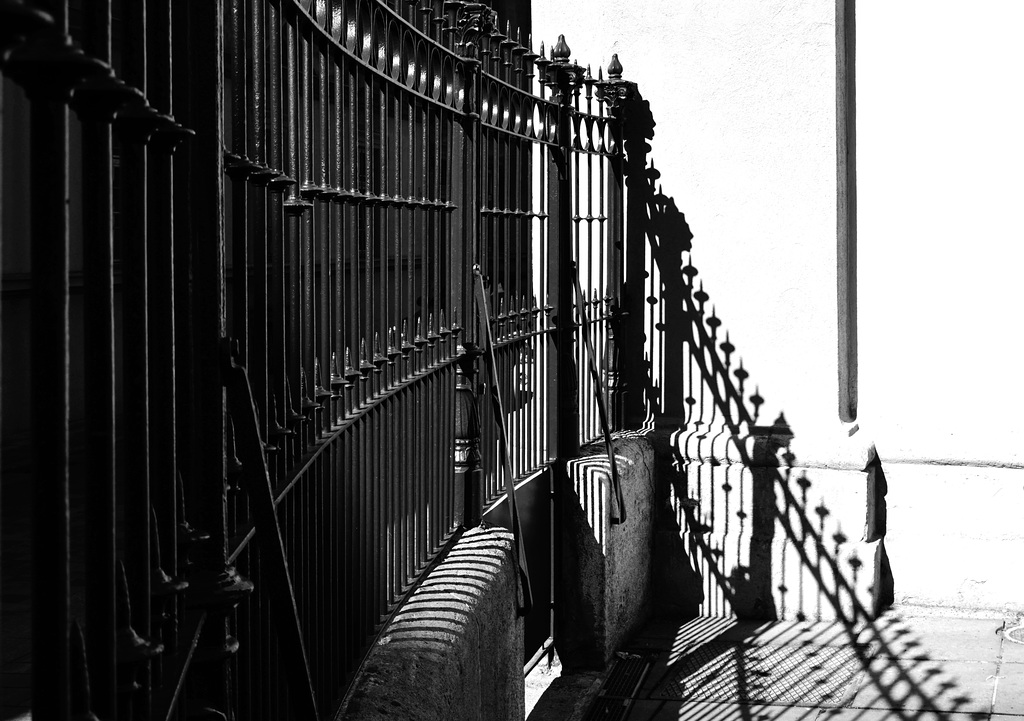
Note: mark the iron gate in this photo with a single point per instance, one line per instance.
(284, 202)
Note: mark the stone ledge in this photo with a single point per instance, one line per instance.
(455, 650)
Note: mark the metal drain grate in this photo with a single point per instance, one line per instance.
(793, 675)
(1015, 634)
(616, 695)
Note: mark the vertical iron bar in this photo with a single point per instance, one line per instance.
(162, 380)
(563, 436)
(134, 164)
(210, 576)
(49, 394)
(98, 249)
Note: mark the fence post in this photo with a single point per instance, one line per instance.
(47, 67)
(564, 78)
(470, 23)
(617, 93)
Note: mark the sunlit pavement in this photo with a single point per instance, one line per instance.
(901, 666)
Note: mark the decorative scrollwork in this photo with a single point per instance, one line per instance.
(473, 21)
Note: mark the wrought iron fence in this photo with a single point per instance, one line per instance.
(283, 203)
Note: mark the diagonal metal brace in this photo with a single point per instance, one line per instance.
(255, 480)
(499, 419)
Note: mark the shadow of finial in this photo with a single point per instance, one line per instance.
(741, 376)
(713, 323)
(701, 297)
(728, 349)
(804, 482)
(756, 401)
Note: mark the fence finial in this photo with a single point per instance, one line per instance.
(615, 68)
(80, 695)
(131, 647)
(560, 52)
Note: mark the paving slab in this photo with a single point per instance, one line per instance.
(925, 667)
(679, 635)
(948, 686)
(797, 675)
(777, 633)
(1010, 690)
(936, 637)
(683, 711)
(888, 714)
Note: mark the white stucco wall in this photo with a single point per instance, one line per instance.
(744, 96)
(941, 245)
(940, 152)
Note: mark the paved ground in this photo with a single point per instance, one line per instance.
(899, 667)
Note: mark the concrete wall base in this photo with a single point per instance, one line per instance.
(606, 567)
(455, 650)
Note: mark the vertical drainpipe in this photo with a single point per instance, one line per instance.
(846, 208)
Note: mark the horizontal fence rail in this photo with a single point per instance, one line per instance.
(249, 244)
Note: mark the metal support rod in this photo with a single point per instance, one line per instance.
(49, 393)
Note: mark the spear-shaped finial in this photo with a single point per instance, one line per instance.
(337, 379)
(161, 583)
(366, 366)
(318, 383)
(407, 346)
(379, 359)
(80, 695)
(131, 648)
(306, 404)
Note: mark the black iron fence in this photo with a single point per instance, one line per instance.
(285, 211)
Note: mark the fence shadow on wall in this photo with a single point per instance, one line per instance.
(745, 531)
